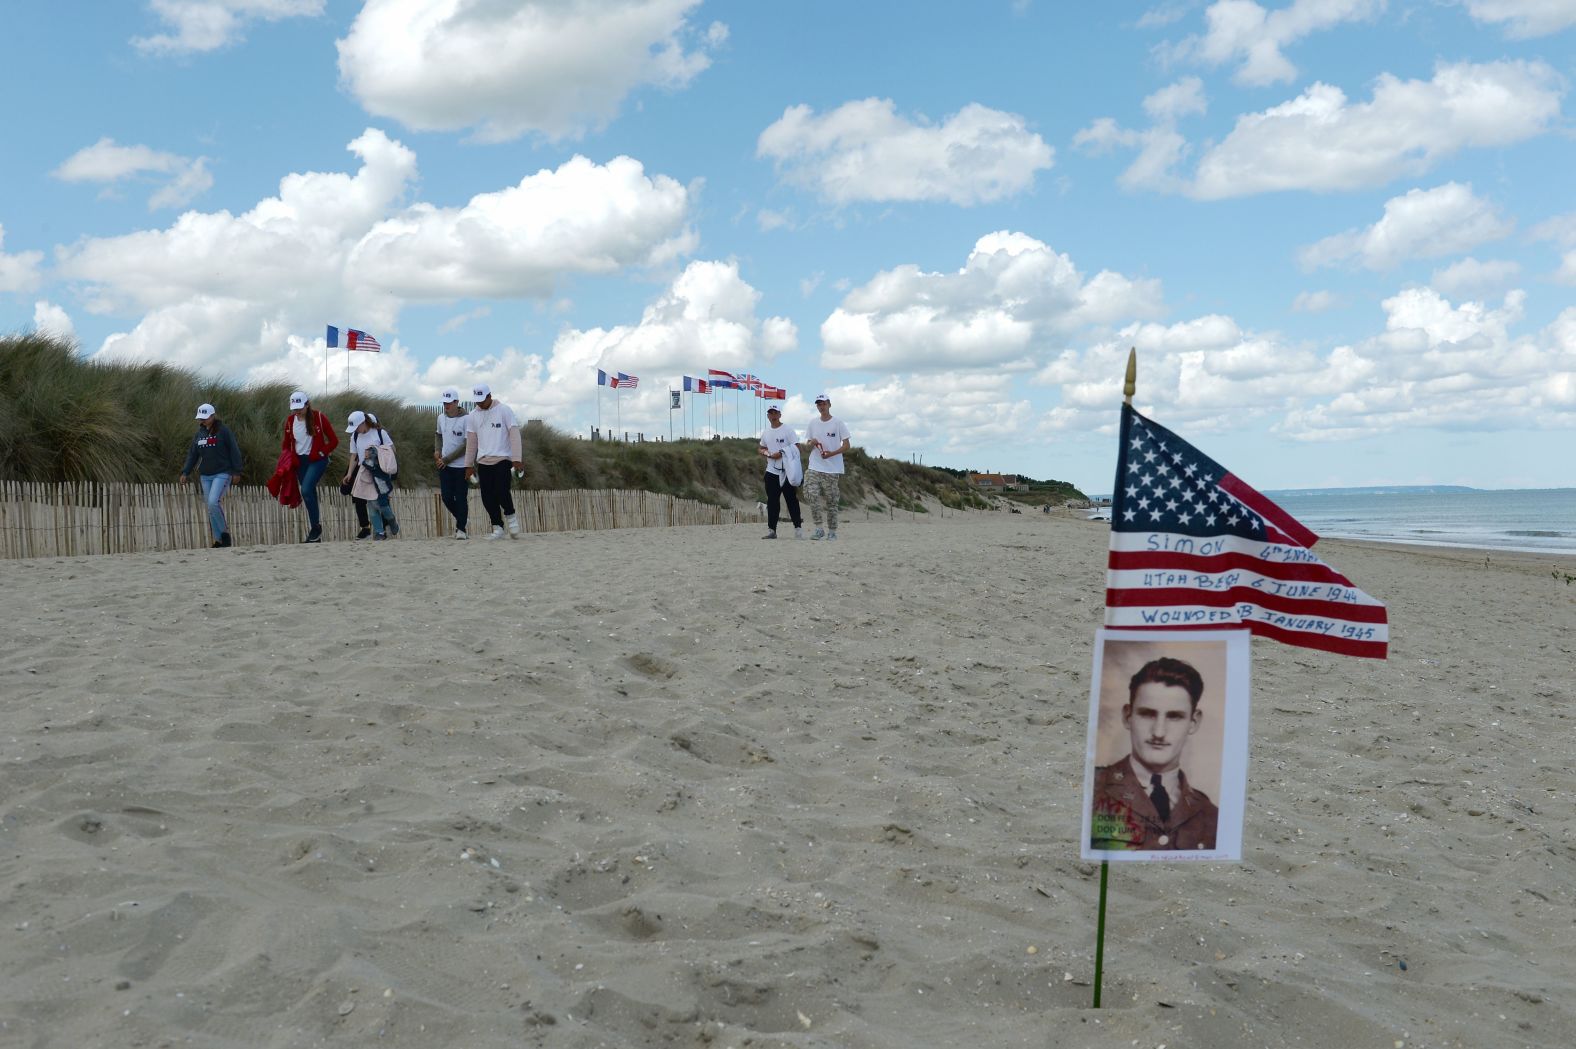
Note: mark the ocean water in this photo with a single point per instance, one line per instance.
(1541, 520)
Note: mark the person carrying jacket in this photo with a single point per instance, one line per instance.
(371, 472)
(219, 454)
(309, 433)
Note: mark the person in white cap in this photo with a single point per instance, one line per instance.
(347, 485)
(216, 448)
(448, 452)
(312, 436)
(827, 439)
(371, 473)
(779, 446)
(492, 445)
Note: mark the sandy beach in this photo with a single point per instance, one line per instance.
(681, 787)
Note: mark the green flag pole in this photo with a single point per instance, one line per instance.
(1129, 387)
(1099, 935)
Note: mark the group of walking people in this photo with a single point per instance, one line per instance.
(480, 446)
(826, 439)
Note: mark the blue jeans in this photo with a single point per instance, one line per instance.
(213, 488)
(307, 475)
(456, 494)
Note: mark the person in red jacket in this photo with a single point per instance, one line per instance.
(312, 436)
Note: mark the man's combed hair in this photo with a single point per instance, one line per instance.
(1168, 671)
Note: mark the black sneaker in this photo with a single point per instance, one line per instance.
(314, 536)
(216, 545)
(224, 539)
(365, 533)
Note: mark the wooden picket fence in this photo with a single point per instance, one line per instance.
(69, 520)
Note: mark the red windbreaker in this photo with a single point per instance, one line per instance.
(324, 439)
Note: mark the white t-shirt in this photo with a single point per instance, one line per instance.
(830, 434)
(453, 431)
(778, 439)
(303, 437)
(360, 442)
(491, 427)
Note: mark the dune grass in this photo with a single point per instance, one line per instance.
(66, 418)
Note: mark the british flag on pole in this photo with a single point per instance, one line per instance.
(1193, 546)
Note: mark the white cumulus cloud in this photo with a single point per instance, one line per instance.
(207, 25)
(1471, 278)
(223, 293)
(1320, 141)
(1012, 295)
(1422, 223)
(581, 217)
(1314, 302)
(184, 178)
(1243, 31)
(865, 151)
(1525, 18)
(18, 272)
(553, 67)
(50, 319)
(1160, 147)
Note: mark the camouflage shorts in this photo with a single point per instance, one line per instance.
(823, 490)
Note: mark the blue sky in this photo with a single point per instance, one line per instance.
(1339, 232)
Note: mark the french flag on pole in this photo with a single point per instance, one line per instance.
(354, 340)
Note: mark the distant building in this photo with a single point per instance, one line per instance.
(994, 482)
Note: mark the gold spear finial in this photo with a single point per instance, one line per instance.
(1130, 385)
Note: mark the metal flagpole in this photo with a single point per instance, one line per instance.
(1129, 387)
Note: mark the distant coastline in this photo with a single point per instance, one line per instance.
(1378, 489)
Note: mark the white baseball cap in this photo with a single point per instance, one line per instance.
(481, 391)
(450, 395)
(298, 400)
(205, 411)
(822, 397)
(773, 408)
(356, 419)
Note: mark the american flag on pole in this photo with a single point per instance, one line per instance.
(621, 381)
(1193, 546)
(360, 340)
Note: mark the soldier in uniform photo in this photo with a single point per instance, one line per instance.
(1143, 801)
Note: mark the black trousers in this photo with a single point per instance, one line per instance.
(776, 486)
(496, 499)
(361, 513)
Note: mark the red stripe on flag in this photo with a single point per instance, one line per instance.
(1293, 528)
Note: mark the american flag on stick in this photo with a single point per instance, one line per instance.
(1192, 547)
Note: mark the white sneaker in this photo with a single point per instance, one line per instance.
(497, 532)
(820, 533)
(798, 533)
(513, 521)
(830, 536)
(459, 533)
